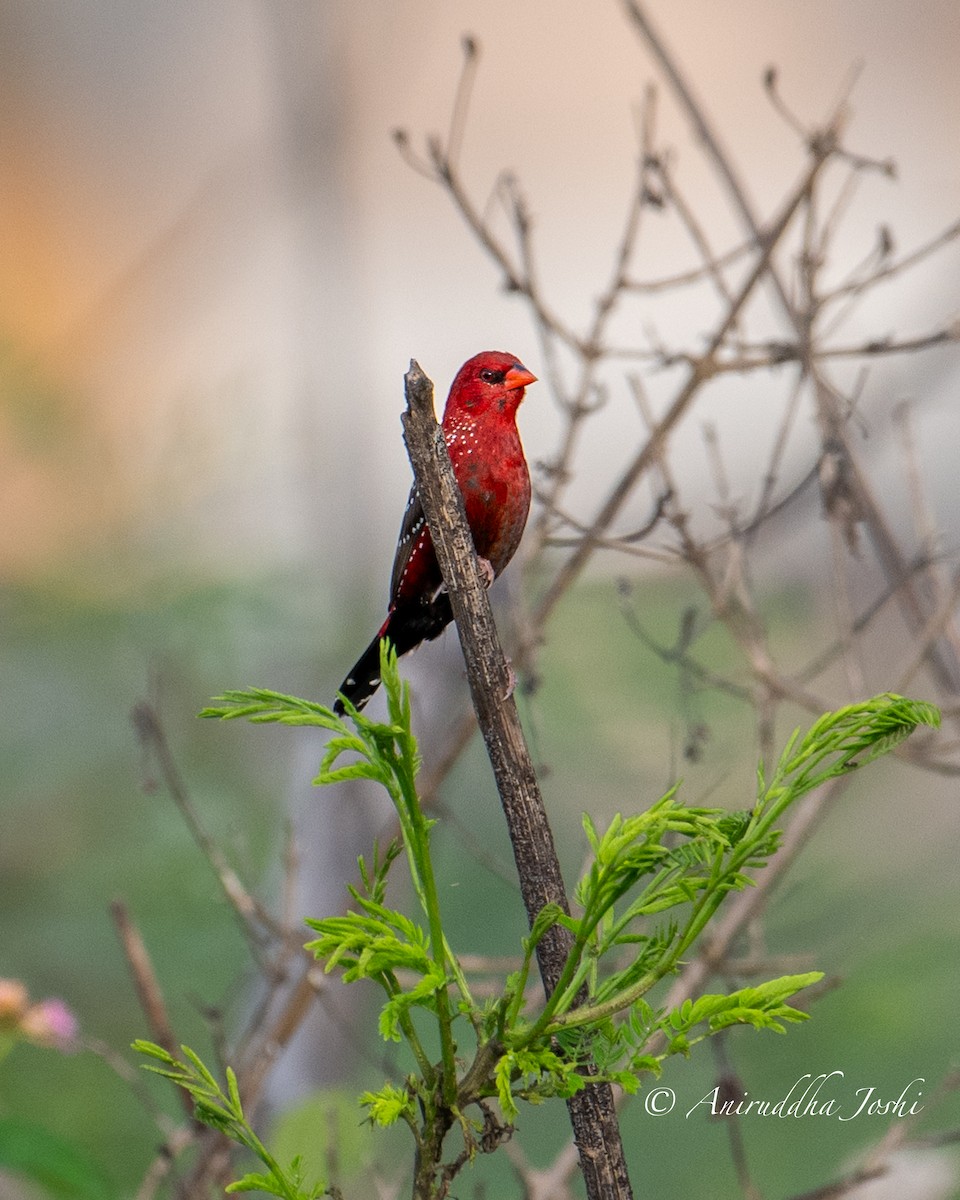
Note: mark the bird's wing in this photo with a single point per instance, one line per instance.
(413, 525)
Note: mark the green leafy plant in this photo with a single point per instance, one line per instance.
(223, 1110)
(655, 881)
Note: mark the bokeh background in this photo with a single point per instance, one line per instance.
(214, 269)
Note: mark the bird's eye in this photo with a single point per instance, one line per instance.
(489, 375)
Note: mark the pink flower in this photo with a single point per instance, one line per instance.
(50, 1023)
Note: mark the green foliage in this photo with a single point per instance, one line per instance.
(654, 882)
(223, 1110)
(389, 1105)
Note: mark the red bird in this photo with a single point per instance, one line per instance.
(480, 428)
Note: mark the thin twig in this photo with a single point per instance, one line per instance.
(249, 910)
(147, 987)
(891, 269)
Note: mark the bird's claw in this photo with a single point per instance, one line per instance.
(486, 570)
(511, 680)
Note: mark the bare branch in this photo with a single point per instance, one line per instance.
(698, 373)
(592, 1111)
(892, 269)
(252, 915)
(147, 987)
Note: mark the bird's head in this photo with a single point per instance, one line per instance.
(488, 383)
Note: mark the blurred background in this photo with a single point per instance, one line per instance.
(215, 267)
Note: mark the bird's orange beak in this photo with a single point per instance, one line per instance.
(517, 377)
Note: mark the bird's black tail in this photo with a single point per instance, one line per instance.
(363, 679)
(406, 628)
